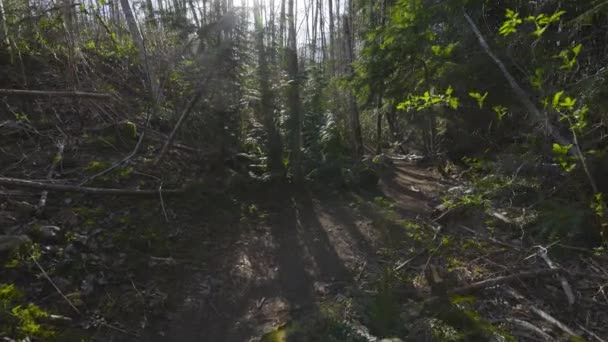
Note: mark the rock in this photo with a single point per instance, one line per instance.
(10, 243)
(49, 233)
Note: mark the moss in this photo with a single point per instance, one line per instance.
(95, 166)
(21, 320)
(282, 333)
(129, 129)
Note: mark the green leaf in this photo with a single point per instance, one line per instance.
(500, 111)
(453, 103)
(556, 98)
(510, 24)
(479, 97)
(561, 150)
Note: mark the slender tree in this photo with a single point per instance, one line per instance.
(273, 142)
(355, 125)
(293, 97)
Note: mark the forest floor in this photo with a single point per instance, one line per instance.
(274, 262)
(306, 249)
(328, 265)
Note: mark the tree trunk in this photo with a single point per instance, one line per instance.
(267, 111)
(282, 25)
(4, 32)
(355, 125)
(379, 125)
(151, 19)
(194, 14)
(293, 98)
(332, 38)
(143, 55)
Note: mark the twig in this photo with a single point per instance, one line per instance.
(125, 159)
(565, 285)
(403, 264)
(528, 326)
(360, 273)
(594, 335)
(502, 280)
(51, 93)
(56, 160)
(446, 212)
(162, 202)
(544, 315)
(197, 96)
(55, 286)
(75, 188)
(521, 94)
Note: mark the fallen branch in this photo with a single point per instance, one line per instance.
(86, 190)
(123, 160)
(565, 285)
(52, 93)
(544, 315)
(56, 160)
(193, 101)
(528, 326)
(521, 94)
(591, 333)
(54, 285)
(502, 280)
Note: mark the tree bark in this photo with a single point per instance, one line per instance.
(355, 125)
(293, 98)
(143, 54)
(379, 125)
(332, 38)
(274, 145)
(23, 183)
(51, 93)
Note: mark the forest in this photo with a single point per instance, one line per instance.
(303, 170)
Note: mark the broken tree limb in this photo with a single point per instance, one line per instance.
(52, 93)
(521, 94)
(538, 118)
(565, 285)
(502, 280)
(56, 160)
(86, 190)
(544, 315)
(123, 160)
(178, 125)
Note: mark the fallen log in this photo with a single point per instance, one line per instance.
(80, 189)
(501, 280)
(52, 93)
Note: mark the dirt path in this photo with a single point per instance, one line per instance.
(304, 248)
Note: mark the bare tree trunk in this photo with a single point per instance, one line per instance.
(151, 19)
(379, 125)
(294, 97)
(355, 125)
(194, 14)
(315, 24)
(323, 37)
(5, 32)
(267, 110)
(282, 25)
(143, 54)
(332, 38)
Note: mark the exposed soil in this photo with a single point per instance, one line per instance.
(308, 245)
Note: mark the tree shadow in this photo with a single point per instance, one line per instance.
(345, 217)
(394, 185)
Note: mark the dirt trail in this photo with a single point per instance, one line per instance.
(306, 248)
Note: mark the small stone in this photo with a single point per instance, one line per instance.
(49, 233)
